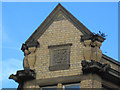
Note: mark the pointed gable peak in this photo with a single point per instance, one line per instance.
(59, 9)
(59, 5)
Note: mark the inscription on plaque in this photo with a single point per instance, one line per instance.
(59, 57)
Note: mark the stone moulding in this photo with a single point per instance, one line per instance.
(103, 70)
(29, 44)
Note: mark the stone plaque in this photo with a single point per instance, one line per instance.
(59, 57)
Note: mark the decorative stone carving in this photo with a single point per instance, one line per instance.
(87, 50)
(92, 47)
(22, 76)
(59, 57)
(104, 70)
(94, 67)
(96, 52)
(26, 53)
(32, 49)
(31, 57)
(29, 52)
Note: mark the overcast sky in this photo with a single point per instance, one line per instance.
(20, 20)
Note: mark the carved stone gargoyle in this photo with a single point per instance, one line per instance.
(23, 75)
(94, 67)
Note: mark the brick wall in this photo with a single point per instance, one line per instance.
(59, 32)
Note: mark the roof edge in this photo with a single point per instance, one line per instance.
(73, 19)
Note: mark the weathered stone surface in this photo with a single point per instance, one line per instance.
(32, 57)
(25, 60)
(87, 50)
(92, 50)
(94, 67)
(59, 30)
(96, 52)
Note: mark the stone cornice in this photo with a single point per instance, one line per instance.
(92, 37)
(29, 44)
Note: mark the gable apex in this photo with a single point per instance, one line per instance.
(51, 17)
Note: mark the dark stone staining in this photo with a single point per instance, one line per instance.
(32, 43)
(24, 47)
(94, 67)
(61, 45)
(22, 76)
(92, 37)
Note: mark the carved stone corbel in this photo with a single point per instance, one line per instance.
(29, 49)
(96, 52)
(87, 50)
(26, 53)
(32, 57)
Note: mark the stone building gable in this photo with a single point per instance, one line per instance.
(58, 13)
(63, 51)
(60, 29)
(61, 32)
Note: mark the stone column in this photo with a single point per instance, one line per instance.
(91, 82)
(59, 86)
(32, 57)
